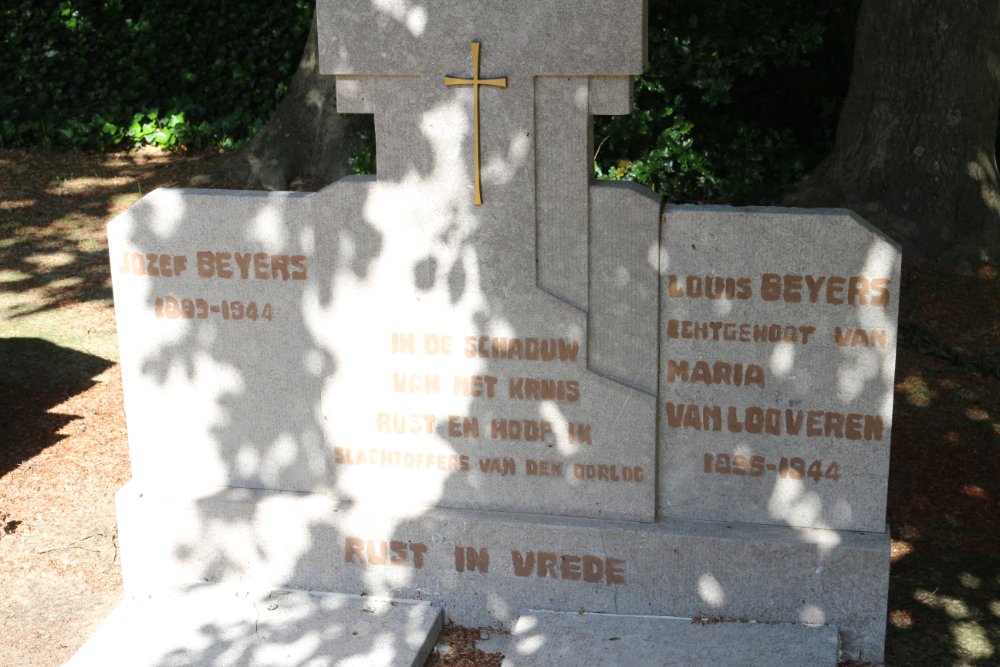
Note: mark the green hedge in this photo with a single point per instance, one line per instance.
(107, 73)
(740, 98)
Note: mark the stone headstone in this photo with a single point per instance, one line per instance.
(554, 639)
(392, 333)
(778, 348)
(461, 381)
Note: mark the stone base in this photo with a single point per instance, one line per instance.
(485, 567)
(559, 639)
(216, 625)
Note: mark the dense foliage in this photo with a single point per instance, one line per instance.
(741, 96)
(107, 73)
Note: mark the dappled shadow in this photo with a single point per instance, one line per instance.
(213, 625)
(763, 440)
(311, 550)
(277, 407)
(230, 397)
(375, 380)
(802, 358)
(35, 376)
(944, 499)
(944, 605)
(53, 249)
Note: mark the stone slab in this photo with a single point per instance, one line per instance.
(563, 146)
(211, 625)
(377, 357)
(396, 388)
(551, 639)
(485, 567)
(778, 350)
(624, 289)
(394, 37)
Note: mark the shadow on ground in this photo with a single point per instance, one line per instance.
(54, 204)
(35, 376)
(944, 485)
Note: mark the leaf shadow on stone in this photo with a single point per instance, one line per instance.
(271, 430)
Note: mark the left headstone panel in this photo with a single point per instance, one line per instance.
(221, 381)
(303, 343)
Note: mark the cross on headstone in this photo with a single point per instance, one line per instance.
(475, 82)
(564, 63)
(390, 61)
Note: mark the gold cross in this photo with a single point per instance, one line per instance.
(475, 82)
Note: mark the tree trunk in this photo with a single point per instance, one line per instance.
(915, 151)
(305, 140)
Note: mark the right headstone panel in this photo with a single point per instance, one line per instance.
(778, 346)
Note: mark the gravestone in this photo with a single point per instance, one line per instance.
(777, 372)
(483, 381)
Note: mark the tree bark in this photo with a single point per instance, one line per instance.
(304, 141)
(915, 151)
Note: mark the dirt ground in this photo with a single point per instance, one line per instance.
(63, 445)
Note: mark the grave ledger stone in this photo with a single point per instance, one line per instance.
(481, 380)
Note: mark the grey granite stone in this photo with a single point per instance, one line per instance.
(563, 167)
(611, 95)
(624, 289)
(492, 407)
(553, 58)
(394, 37)
(388, 388)
(552, 639)
(778, 348)
(485, 567)
(216, 626)
(355, 94)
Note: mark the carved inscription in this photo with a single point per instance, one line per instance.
(759, 466)
(792, 288)
(527, 563)
(851, 337)
(740, 332)
(472, 559)
(214, 265)
(399, 459)
(172, 308)
(725, 370)
(546, 359)
(530, 409)
(384, 552)
(571, 567)
(217, 264)
(719, 372)
(773, 421)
